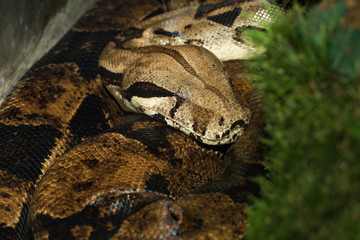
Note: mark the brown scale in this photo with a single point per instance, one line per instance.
(188, 197)
(139, 180)
(39, 124)
(240, 84)
(35, 121)
(116, 161)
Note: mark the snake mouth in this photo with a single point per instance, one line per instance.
(227, 137)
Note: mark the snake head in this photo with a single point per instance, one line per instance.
(186, 86)
(159, 220)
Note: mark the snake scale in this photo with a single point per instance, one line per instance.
(74, 165)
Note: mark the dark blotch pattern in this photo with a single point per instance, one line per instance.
(204, 10)
(154, 13)
(195, 126)
(160, 31)
(91, 163)
(109, 77)
(154, 138)
(179, 102)
(11, 113)
(157, 183)
(252, 28)
(146, 90)
(159, 117)
(70, 49)
(24, 148)
(89, 118)
(227, 19)
(82, 186)
(7, 233)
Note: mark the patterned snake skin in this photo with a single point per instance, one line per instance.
(73, 165)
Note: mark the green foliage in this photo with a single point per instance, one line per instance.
(309, 75)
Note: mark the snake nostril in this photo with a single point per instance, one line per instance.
(221, 121)
(235, 136)
(203, 132)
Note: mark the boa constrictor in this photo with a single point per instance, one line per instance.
(73, 165)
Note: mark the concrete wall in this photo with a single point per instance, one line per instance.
(28, 29)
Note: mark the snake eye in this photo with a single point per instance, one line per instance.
(171, 215)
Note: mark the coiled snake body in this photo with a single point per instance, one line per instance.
(73, 165)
